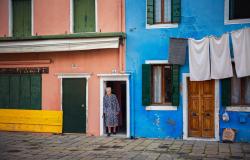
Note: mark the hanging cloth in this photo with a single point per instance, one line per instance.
(241, 48)
(199, 61)
(221, 65)
(177, 51)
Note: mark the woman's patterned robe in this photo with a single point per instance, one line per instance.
(111, 110)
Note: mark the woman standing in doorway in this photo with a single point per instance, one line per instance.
(111, 110)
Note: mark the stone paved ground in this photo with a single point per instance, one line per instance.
(77, 146)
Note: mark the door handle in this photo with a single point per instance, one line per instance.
(207, 114)
(194, 114)
(83, 105)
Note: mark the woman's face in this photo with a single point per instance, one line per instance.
(108, 91)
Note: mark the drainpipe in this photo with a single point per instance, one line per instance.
(132, 105)
(121, 45)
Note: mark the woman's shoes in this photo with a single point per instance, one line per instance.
(108, 134)
(114, 133)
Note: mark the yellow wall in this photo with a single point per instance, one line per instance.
(31, 120)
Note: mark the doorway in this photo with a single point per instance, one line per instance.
(122, 83)
(119, 89)
(201, 107)
(74, 105)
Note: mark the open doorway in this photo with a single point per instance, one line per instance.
(119, 89)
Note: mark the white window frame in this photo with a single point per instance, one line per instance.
(158, 26)
(71, 25)
(227, 21)
(11, 18)
(160, 107)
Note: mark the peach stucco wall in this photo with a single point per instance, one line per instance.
(4, 20)
(51, 17)
(93, 62)
(109, 15)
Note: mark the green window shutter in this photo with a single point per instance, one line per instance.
(35, 89)
(25, 92)
(226, 92)
(4, 91)
(84, 16)
(146, 84)
(175, 85)
(176, 11)
(14, 91)
(21, 18)
(150, 12)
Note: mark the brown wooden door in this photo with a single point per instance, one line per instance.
(201, 109)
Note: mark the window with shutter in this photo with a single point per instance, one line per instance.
(21, 18)
(235, 91)
(160, 84)
(84, 16)
(163, 11)
(20, 91)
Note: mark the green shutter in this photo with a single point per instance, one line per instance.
(146, 84)
(21, 18)
(175, 85)
(14, 91)
(176, 11)
(150, 12)
(84, 16)
(226, 92)
(4, 91)
(25, 92)
(35, 83)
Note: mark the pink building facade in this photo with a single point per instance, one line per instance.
(74, 66)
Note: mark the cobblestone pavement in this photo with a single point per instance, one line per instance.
(77, 146)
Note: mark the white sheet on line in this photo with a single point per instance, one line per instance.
(241, 48)
(199, 62)
(221, 65)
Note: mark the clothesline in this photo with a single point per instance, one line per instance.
(245, 27)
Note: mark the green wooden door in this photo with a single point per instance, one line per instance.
(74, 105)
(21, 18)
(84, 16)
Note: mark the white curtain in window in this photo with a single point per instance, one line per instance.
(241, 48)
(235, 89)
(167, 11)
(157, 83)
(157, 10)
(247, 90)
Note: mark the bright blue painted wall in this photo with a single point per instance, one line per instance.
(199, 19)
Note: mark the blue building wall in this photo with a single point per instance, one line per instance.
(199, 19)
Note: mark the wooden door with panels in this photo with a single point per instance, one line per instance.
(201, 109)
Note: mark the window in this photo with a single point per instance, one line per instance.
(20, 91)
(161, 87)
(84, 15)
(163, 11)
(21, 20)
(239, 9)
(240, 91)
(160, 84)
(236, 91)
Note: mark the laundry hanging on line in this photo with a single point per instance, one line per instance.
(241, 48)
(199, 61)
(221, 65)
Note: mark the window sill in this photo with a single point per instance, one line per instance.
(157, 26)
(238, 108)
(161, 108)
(237, 21)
